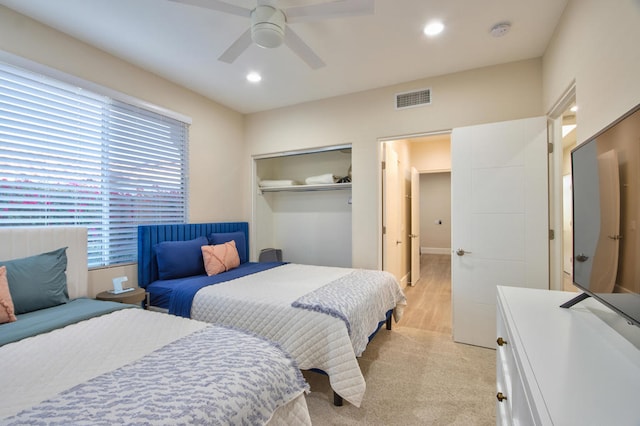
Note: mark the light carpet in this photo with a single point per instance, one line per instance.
(414, 377)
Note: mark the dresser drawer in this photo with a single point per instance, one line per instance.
(512, 404)
(504, 374)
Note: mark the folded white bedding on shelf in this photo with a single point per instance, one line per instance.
(320, 179)
(277, 182)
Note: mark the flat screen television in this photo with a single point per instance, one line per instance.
(606, 217)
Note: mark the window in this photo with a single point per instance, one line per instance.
(69, 156)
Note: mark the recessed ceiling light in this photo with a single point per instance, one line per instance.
(254, 77)
(433, 28)
(500, 29)
(574, 108)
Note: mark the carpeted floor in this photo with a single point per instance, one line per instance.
(414, 377)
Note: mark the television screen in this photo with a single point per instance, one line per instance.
(606, 216)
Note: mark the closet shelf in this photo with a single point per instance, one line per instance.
(306, 188)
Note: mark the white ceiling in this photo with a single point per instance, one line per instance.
(182, 43)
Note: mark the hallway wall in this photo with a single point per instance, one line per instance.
(435, 206)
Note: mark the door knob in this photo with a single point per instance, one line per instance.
(398, 242)
(461, 252)
(582, 257)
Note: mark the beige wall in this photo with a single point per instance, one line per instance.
(435, 205)
(431, 153)
(498, 93)
(595, 45)
(215, 136)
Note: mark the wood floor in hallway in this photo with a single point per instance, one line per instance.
(429, 301)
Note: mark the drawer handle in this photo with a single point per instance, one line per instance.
(501, 341)
(501, 396)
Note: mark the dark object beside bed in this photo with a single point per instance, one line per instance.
(270, 255)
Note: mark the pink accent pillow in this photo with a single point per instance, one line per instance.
(220, 257)
(6, 303)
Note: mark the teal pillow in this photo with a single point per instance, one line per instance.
(38, 282)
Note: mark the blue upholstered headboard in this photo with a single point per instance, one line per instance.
(150, 235)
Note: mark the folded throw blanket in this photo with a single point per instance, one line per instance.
(361, 299)
(320, 179)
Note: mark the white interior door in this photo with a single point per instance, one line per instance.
(499, 210)
(414, 236)
(391, 255)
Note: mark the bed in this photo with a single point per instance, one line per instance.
(83, 361)
(323, 316)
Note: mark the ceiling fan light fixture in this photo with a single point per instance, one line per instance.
(267, 26)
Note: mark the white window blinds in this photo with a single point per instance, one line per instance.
(72, 157)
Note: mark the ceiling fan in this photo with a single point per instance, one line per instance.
(269, 27)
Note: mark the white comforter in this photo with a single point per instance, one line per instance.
(262, 303)
(41, 367)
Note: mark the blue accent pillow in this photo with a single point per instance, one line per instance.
(238, 237)
(178, 259)
(38, 282)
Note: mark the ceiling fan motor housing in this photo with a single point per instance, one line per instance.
(267, 26)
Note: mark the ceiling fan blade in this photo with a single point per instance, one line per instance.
(238, 46)
(332, 9)
(218, 5)
(301, 49)
(272, 3)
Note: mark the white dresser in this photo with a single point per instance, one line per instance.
(564, 367)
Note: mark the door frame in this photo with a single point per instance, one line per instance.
(414, 225)
(391, 214)
(554, 133)
(380, 157)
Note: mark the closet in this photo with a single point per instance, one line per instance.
(302, 205)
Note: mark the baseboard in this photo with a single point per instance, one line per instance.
(435, 250)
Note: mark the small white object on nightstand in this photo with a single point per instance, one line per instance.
(117, 286)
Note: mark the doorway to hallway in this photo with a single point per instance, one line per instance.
(422, 173)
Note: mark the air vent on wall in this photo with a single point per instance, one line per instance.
(413, 99)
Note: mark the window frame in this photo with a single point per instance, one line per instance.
(48, 74)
